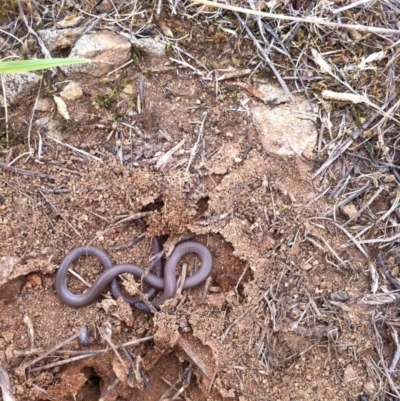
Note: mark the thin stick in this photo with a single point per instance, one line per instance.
(5, 385)
(75, 149)
(58, 346)
(105, 333)
(195, 146)
(267, 59)
(357, 243)
(310, 20)
(342, 148)
(3, 86)
(63, 362)
(194, 358)
(86, 355)
(396, 355)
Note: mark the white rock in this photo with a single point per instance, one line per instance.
(107, 50)
(70, 21)
(44, 104)
(71, 92)
(349, 374)
(56, 39)
(19, 85)
(104, 6)
(286, 129)
(349, 210)
(7, 264)
(150, 47)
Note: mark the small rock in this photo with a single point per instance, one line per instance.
(19, 85)
(217, 301)
(306, 267)
(7, 264)
(339, 296)
(44, 104)
(349, 374)
(369, 388)
(19, 390)
(57, 39)
(71, 92)
(35, 280)
(150, 47)
(106, 49)
(104, 6)
(285, 129)
(70, 21)
(389, 178)
(2, 40)
(349, 210)
(8, 336)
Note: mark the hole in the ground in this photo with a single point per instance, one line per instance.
(229, 271)
(156, 205)
(202, 206)
(91, 389)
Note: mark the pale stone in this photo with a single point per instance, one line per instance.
(70, 21)
(106, 49)
(349, 374)
(57, 39)
(8, 336)
(349, 210)
(150, 46)
(19, 85)
(71, 92)
(285, 128)
(44, 104)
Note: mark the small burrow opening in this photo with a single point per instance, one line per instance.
(156, 205)
(229, 272)
(91, 389)
(202, 206)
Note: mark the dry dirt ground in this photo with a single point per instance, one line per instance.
(264, 327)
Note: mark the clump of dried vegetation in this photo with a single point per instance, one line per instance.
(344, 56)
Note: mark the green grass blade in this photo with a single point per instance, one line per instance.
(10, 67)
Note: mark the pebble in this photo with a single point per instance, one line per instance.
(339, 296)
(35, 280)
(369, 388)
(306, 267)
(19, 390)
(44, 104)
(389, 178)
(349, 210)
(107, 48)
(349, 374)
(71, 92)
(104, 6)
(19, 85)
(8, 336)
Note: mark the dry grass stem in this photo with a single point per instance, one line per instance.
(310, 20)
